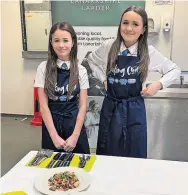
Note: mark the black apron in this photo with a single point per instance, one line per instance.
(64, 114)
(122, 128)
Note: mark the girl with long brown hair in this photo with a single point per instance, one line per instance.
(62, 88)
(122, 66)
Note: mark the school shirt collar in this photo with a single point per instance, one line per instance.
(60, 62)
(132, 49)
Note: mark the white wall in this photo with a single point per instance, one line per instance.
(180, 33)
(18, 73)
(173, 45)
(162, 41)
(1, 60)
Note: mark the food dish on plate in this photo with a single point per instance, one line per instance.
(63, 181)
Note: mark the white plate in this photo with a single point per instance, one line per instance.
(41, 181)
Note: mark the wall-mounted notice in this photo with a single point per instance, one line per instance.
(162, 2)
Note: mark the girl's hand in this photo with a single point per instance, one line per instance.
(152, 89)
(58, 142)
(71, 143)
(105, 84)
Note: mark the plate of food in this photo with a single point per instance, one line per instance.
(62, 180)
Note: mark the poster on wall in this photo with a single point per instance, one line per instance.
(89, 39)
(92, 121)
(96, 88)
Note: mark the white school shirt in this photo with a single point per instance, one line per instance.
(40, 75)
(158, 63)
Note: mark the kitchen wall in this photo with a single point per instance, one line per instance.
(18, 74)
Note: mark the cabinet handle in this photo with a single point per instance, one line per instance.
(46, 32)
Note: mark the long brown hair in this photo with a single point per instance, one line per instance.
(51, 67)
(142, 52)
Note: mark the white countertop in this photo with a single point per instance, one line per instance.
(113, 175)
(178, 93)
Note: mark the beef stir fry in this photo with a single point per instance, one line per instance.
(63, 181)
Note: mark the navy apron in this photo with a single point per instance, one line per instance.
(122, 128)
(64, 114)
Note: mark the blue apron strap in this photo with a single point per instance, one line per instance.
(105, 139)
